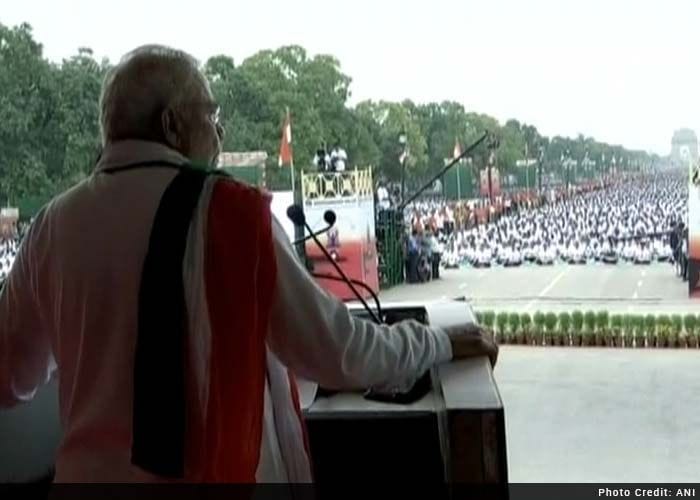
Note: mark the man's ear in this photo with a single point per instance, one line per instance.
(172, 131)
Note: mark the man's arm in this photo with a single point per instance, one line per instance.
(315, 336)
(26, 359)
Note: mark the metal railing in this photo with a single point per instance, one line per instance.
(337, 186)
(390, 234)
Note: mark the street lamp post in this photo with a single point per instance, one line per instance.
(492, 147)
(539, 168)
(527, 163)
(588, 165)
(470, 169)
(613, 167)
(490, 167)
(527, 170)
(567, 166)
(403, 141)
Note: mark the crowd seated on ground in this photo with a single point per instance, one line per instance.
(625, 222)
(8, 251)
(9, 245)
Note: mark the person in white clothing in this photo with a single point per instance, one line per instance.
(338, 159)
(83, 307)
(643, 255)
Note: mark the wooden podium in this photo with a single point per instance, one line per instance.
(455, 435)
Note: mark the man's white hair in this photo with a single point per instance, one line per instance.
(136, 91)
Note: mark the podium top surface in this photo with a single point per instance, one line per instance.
(352, 405)
(469, 385)
(464, 385)
(461, 385)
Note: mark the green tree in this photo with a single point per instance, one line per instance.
(49, 131)
(79, 81)
(49, 135)
(391, 120)
(443, 125)
(27, 113)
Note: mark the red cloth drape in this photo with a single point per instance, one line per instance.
(240, 277)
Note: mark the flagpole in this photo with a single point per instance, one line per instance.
(527, 170)
(456, 153)
(293, 183)
(291, 162)
(298, 230)
(296, 193)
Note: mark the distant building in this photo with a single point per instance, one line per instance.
(8, 222)
(684, 147)
(248, 166)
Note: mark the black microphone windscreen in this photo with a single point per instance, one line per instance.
(329, 217)
(296, 215)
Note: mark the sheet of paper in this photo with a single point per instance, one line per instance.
(307, 392)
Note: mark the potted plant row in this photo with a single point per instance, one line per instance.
(593, 329)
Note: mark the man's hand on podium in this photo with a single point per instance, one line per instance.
(471, 341)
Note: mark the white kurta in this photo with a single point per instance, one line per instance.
(72, 295)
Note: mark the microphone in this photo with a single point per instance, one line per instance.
(296, 215)
(328, 216)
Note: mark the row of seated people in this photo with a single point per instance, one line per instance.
(627, 221)
(547, 253)
(8, 251)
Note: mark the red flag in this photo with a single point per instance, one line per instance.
(285, 157)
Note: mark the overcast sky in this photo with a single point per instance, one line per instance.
(623, 71)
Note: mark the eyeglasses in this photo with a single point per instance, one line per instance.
(212, 108)
(215, 116)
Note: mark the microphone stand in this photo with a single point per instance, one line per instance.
(362, 285)
(307, 238)
(444, 170)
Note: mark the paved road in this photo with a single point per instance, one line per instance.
(586, 414)
(601, 415)
(621, 288)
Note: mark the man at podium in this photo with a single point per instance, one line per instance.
(175, 345)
